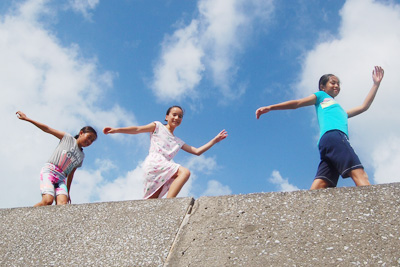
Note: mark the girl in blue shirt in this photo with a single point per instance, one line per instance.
(337, 156)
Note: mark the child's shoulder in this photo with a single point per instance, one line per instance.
(158, 126)
(67, 136)
(322, 95)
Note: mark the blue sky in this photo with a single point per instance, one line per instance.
(120, 63)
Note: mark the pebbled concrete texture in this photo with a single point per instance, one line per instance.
(332, 227)
(129, 233)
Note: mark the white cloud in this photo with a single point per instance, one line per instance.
(52, 84)
(202, 164)
(92, 185)
(84, 7)
(84, 185)
(215, 188)
(123, 188)
(211, 42)
(180, 66)
(386, 159)
(368, 36)
(196, 165)
(282, 183)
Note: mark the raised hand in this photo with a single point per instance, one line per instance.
(21, 115)
(221, 136)
(377, 75)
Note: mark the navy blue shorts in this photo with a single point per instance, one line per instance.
(337, 157)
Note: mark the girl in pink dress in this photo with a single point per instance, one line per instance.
(161, 173)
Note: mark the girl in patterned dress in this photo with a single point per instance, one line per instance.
(57, 174)
(161, 173)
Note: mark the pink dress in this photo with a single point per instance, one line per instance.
(158, 166)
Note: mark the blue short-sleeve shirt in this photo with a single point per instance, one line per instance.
(331, 116)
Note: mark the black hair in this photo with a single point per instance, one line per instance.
(324, 80)
(87, 129)
(169, 109)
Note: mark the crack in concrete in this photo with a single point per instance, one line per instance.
(180, 229)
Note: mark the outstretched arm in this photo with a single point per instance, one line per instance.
(377, 76)
(131, 129)
(198, 151)
(41, 126)
(292, 104)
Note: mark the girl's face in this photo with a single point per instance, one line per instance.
(332, 87)
(86, 139)
(174, 117)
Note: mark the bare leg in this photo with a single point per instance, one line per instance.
(46, 200)
(319, 184)
(156, 194)
(182, 175)
(359, 177)
(61, 200)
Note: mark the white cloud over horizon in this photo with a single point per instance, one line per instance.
(215, 188)
(281, 183)
(197, 165)
(130, 185)
(386, 158)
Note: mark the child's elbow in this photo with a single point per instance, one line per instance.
(297, 105)
(198, 152)
(46, 130)
(365, 108)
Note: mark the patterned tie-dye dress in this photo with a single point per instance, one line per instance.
(159, 167)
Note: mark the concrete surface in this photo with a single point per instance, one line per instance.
(333, 227)
(130, 233)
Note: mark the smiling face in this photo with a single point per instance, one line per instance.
(332, 87)
(86, 139)
(174, 117)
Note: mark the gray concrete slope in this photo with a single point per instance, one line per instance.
(333, 227)
(354, 226)
(129, 233)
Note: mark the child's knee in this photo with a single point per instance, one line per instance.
(185, 172)
(319, 184)
(360, 177)
(62, 200)
(47, 200)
